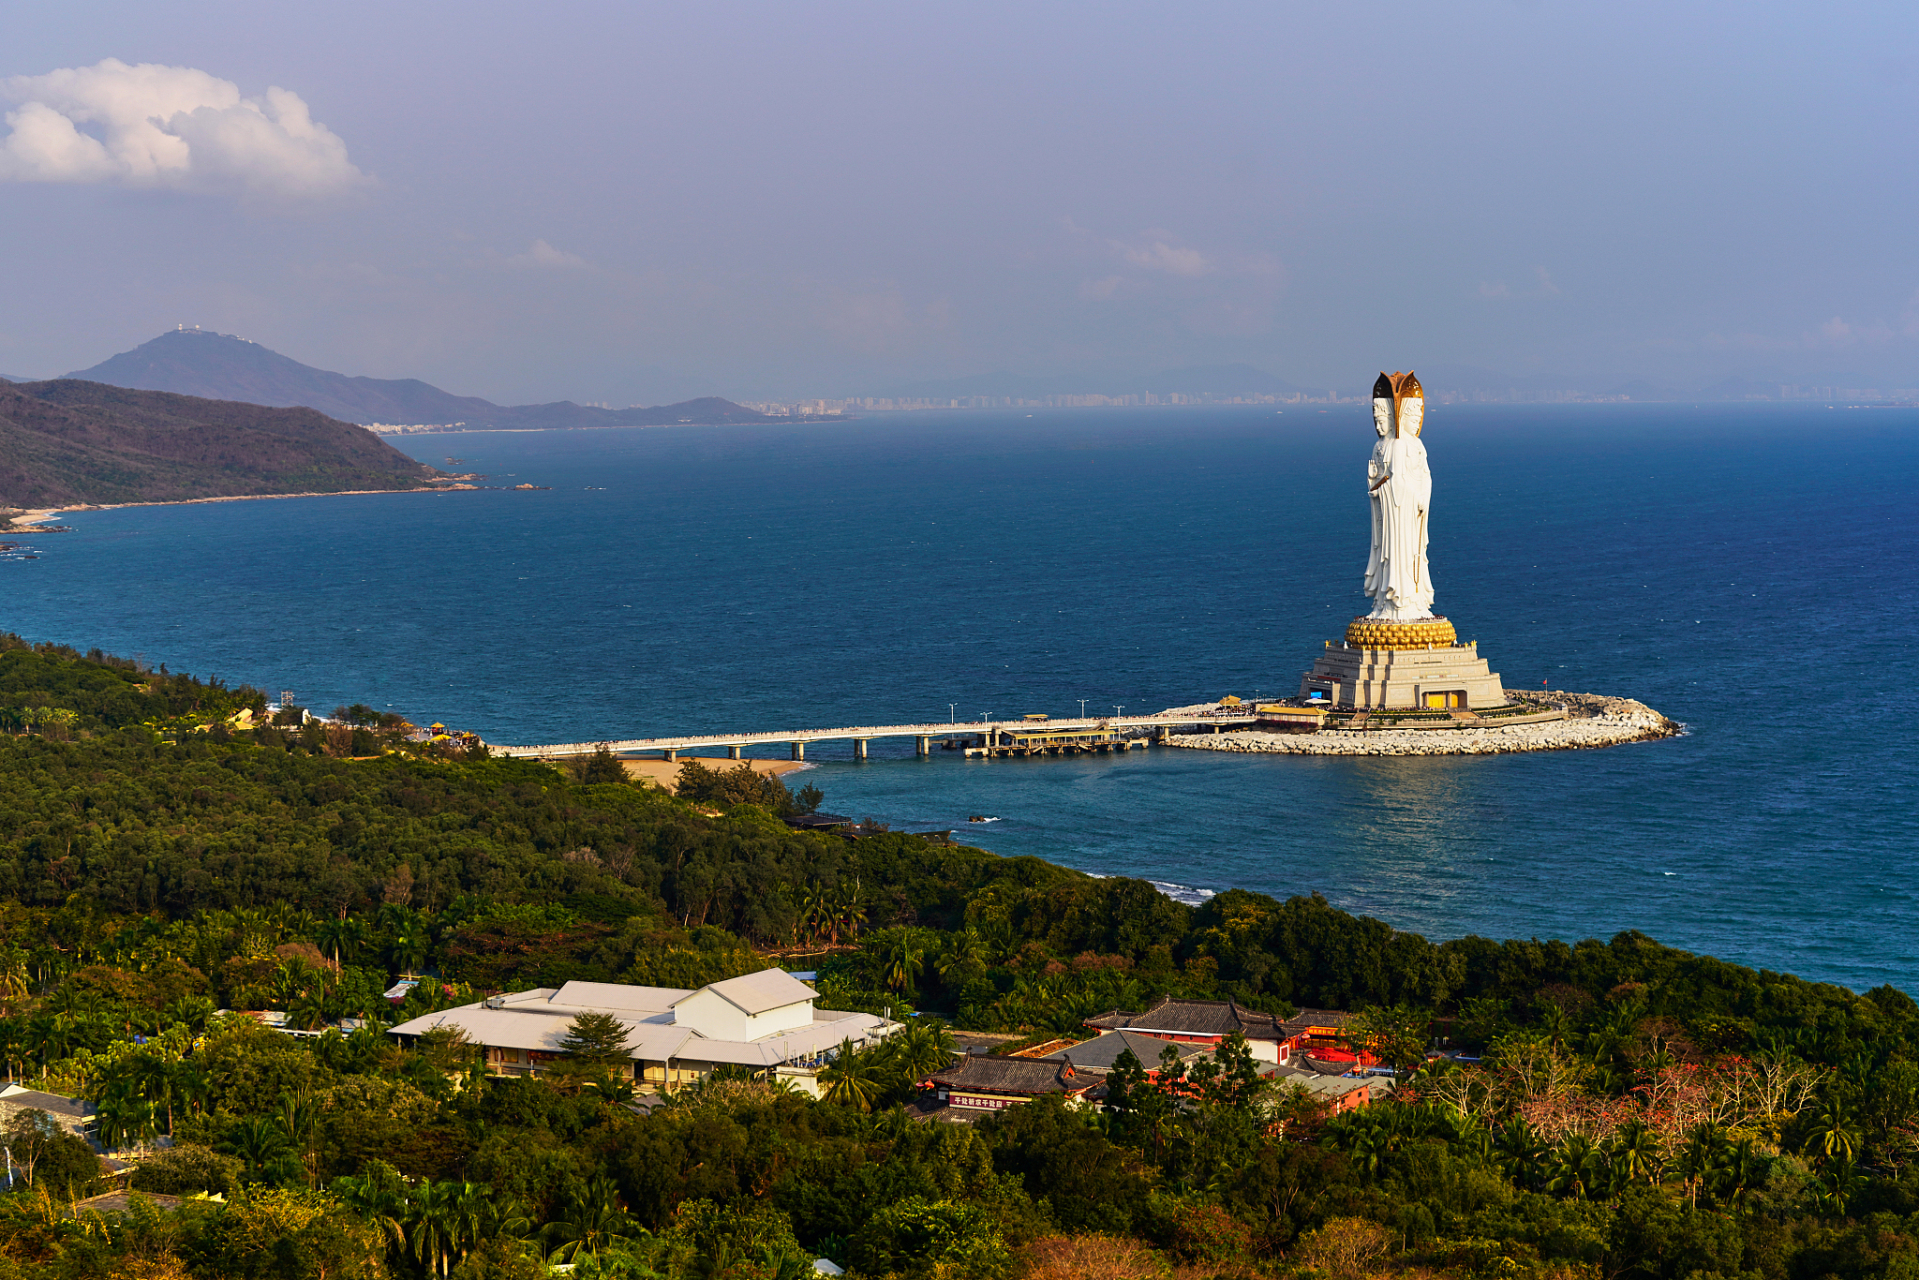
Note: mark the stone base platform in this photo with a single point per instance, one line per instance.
(1385, 671)
(1590, 720)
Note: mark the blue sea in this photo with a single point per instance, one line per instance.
(1748, 570)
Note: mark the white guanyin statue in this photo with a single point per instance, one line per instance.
(1400, 485)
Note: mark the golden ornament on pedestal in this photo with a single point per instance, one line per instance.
(1422, 633)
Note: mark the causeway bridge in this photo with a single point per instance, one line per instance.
(1160, 727)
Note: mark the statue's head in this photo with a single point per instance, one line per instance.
(1383, 405)
(1412, 405)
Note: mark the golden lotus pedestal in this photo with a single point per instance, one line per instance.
(1413, 665)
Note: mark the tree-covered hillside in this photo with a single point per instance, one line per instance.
(1619, 1108)
(68, 441)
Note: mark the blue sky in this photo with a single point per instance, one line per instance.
(629, 203)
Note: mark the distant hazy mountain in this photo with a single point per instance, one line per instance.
(214, 365)
(68, 441)
(1204, 379)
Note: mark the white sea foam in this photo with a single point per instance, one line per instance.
(1182, 893)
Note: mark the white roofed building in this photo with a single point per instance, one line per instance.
(765, 1022)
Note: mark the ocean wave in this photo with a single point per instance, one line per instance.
(1183, 893)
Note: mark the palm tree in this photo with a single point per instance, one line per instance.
(807, 910)
(299, 1118)
(1519, 1150)
(408, 947)
(594, 1219)
(853, 1079)
(308, 1010)
(1700, 1159)
(902, 955)
(432, 1225)
(1834, 1133)
(1635, 1150)
(1365, 1148)
(468, 1215)
(1741, 1169)
(153, 1077)
(254, 932)
(965, 956)
(260, 1144)
(187, 1084)
(1574, 1166)
(846, 915)
(48, 1036)
(14, 983)
(339, 938)
(924, 1047)
(379, 1196)
(1838, 1184)
(123, 1118)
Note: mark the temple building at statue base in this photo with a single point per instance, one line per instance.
(1417, 665)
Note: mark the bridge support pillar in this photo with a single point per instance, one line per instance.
(799, 751)
(670, 753)
(923, 746)
(859, 748)
(1215, 728)
(733, 752)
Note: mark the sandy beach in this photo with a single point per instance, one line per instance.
(41, 515)
(664, 772)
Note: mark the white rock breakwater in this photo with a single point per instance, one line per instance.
(1592, 720)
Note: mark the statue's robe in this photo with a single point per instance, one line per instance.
(1398, 578)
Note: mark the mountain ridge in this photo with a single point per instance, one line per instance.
(67, 441)
(218, 366)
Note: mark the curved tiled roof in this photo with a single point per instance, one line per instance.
(1193, 1018)
(1101, 1052)
(1027, 1076)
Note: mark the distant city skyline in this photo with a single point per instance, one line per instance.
(643, 204)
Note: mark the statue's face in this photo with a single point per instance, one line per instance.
(1382, 416)
(1412, 415)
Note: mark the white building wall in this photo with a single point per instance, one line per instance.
(717, 1018)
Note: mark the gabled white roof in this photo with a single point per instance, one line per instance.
(534, 1026)
(758, 992)
(618, 997)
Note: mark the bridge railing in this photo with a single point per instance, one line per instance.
(848, 732)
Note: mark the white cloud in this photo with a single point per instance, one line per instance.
(157, 126)
(542, 254)
(1499, 291)
(1157, 253)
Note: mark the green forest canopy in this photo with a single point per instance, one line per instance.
(1639, 1110)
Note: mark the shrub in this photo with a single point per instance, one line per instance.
(1344, 1246)
(187, 1168)
(917, 1237)
(1207, 1233)
(1091, 1258)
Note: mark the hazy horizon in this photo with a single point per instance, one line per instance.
(637, 205)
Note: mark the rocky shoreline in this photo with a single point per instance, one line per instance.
(1592, 720)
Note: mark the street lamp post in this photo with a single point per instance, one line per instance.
(952, 712)
(1117, 710)
(1082, 708)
